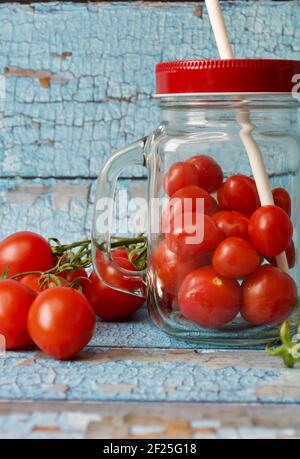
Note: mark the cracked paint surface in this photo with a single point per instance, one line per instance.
(132, 421)
(51, 207)
(41, 424)
(75, 91)
(125, 375)
(54, 207)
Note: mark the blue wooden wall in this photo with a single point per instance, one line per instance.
(79, 80)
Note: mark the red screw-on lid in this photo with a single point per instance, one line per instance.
(227, 76)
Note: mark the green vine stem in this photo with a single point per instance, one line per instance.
(77, 255)
(289, 350)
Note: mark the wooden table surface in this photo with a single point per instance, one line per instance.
(181, 392)
(78, 84)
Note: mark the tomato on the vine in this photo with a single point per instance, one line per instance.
(179, 176)
(79, 275)
(171, 268)
(210, 173)
(209, 299)
(241, 194)
(270, 230)
(269, 296)
(61, 322)
(24, 252)
(36, 283)
(195, 234)
(110, 304)
(15, 302)
(235, 258)
(233, 224)
(283, 200)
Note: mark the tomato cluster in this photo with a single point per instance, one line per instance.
(218, 255)
(57, 312)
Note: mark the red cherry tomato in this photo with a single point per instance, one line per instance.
(283, 200)
(270, 230)
(235, 258)
(210, 173)
(80, 276)
(233, 224)
(291, 255)
(222, 200)
(24, 252)
(209, 299)
(189, 199)
(110, 304)
(171, 268)
(269, 296)
(15, 302)
(120, 252)
(61, 322)
(179, 176)
(33, 281)
(195, 234)
(186, 200)
(241, 194)
(216, 208)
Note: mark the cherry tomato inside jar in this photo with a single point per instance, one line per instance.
(180, 175)
(222, 200)
(171, 268)
(208, 299)
(210, 173)
(233, 224)
(236, 258)
(283, 200)
(194, 234)
(291, 255)
(190, 199)
(241, 194)
(270, 230)
(269, 296)
(193, 199)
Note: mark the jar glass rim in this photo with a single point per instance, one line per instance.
(229, 99)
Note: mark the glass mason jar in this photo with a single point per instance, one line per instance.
(223, 202)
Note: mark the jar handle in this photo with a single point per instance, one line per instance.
(133, 155)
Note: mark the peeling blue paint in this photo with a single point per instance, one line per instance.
(127, 379)
(100, 96)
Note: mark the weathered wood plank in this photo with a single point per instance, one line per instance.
(63, 208)
(137, 332)
(151, 420)
(59, 208)
(50, 207)
(174, 375)
(80, 77)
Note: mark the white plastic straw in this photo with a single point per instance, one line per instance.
(243, 117)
